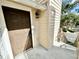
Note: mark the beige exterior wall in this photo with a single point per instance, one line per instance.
(44, 21)
(40, 26)
(56, 5)
(34, 21)
(35, 26)
(43, 29)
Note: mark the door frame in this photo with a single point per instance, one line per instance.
(18, 6)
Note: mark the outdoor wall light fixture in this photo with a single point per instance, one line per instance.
(37, 13)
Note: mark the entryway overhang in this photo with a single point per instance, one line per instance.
(31, 3)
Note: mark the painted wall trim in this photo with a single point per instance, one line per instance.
(31, 3)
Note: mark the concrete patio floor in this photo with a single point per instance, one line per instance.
(51, 53)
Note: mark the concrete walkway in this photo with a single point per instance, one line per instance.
(51, 53)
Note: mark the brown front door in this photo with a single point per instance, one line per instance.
(19, 26)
